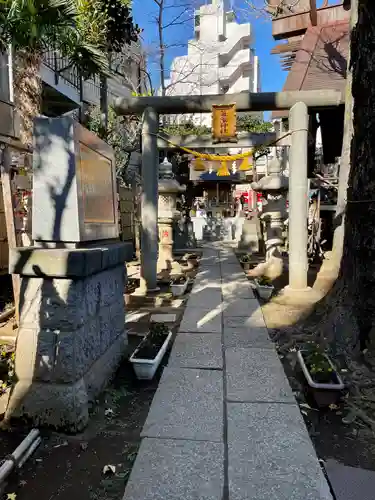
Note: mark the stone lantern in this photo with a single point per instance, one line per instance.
(167, 213)
(273, 187)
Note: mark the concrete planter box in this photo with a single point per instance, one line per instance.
(145, 369)
(264, 291)
(178, 290)
(323, 393)
(246, 265)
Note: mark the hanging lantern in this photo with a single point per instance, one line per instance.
(223, 170)
(199, 165)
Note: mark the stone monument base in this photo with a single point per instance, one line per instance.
(72, 331)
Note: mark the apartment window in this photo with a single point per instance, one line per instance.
(197, 20)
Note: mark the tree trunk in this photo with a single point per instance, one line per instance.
(348, 311)
(338, 237)
(27, 92)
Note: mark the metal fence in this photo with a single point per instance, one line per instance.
(127, 220)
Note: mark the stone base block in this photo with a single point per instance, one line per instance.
(65, 406)
(71, 332)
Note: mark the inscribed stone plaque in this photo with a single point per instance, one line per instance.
(96, 187)
(74, 184)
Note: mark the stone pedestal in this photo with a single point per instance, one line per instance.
(71, 334)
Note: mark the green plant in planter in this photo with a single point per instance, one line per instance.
(246, 258)
(317, 362)
(7, 359)
(131, 285)
(157, 329)
(264, 281)
(151, 344)
(180, 280)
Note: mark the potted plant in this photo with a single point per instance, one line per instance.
(130, 288)
(321, 376)
(179, 285)
(245, 261)
(148, 355)
(193, 258)
(264, 287)
(7, 360)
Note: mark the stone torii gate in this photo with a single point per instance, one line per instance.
(300, 104)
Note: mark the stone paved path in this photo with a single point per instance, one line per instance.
(224, 424)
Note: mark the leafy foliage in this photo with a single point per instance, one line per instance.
(151, 344)
(246, 258)
(122, 135)
(185, 129)
(120, 27)
(7, 359)
(73, 27)
(248, 123)
(317, 362)
(264, 281)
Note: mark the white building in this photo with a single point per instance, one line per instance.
(220, 60)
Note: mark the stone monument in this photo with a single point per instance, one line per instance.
(274, 187)
(71, 331)
(169, 187)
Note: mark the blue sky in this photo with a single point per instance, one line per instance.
(272, 77)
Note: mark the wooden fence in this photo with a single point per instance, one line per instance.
(127, 220)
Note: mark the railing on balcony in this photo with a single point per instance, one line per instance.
(60, 65)
(88, 90)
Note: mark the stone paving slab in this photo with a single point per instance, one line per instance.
(271, 456)
(255, 320)
(208, 298)
(197, 351)
(350, 483)
(242, 307)
(208, 272)
(237, 290)
(177, 470)
(234, 275)
(255, 375)
(188, 404)
(247, 337)
(201, 321)
(213, 285)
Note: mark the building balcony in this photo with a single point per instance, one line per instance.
(239, 63)
(237, 39)
(65, 90)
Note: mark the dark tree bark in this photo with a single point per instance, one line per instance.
(338, 237)
(347, 314)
